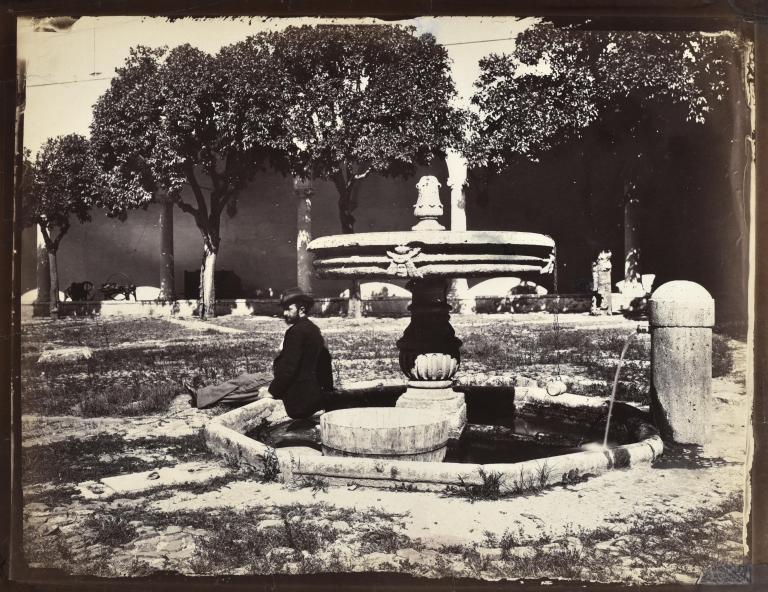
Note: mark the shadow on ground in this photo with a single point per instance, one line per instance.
(679, 456)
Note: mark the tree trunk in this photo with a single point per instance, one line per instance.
(208, 287)
(304, 191)
(200, 291)
(354, 304)
(43, 270)
(167, 276)
(54, 291)
(740, 166)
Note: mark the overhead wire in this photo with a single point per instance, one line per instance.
(111, 77)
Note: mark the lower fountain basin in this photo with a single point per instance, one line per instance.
(385, 432)
(638, 443)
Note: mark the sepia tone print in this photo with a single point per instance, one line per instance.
(448, 297)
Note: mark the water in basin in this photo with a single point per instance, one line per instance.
(494, 432)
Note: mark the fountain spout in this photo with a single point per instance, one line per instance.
(640, 329)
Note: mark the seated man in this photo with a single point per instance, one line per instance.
(302, 371)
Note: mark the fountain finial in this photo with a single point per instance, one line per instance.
(428, 206)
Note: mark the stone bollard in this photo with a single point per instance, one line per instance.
(681, 317)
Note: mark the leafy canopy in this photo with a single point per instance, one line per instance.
(59, 183)
(373, 98)
(166, 119)
(558, 81)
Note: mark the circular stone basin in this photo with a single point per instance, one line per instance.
(445, 253)
(385, 432)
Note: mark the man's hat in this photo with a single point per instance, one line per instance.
(296, 295)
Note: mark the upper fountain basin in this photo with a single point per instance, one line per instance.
(444, 253)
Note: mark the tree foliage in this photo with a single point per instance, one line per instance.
(57, 185)
(169, 127)
(354, 100)
(558, 81)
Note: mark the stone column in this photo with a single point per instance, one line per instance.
(458, 290)
(303, 191)
(167, 276)
(632, 276)
(681, 317)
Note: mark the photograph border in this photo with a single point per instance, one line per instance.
(637, 15)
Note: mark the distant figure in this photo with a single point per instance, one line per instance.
(79, 291)
(302, 371)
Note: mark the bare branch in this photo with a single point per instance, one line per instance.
(184, 206)
(202, 208)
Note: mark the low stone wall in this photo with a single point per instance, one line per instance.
(562, 303)
(178, 308)
(224, 435)
(324, 307)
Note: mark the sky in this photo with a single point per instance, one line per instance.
(68, 70)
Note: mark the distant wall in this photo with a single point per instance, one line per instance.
(687, 222)
(258, 244)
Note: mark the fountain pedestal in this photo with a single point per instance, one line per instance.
(446, 401)
(429, 354)
(429, 256)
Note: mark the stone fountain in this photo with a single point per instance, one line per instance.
(416, 433)
(405, 445)
(428, 255)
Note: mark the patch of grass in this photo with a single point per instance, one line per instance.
(489, 489)
(74, 460)
(590, 538)
(383, 539)
(407, 487)
(53, 496)
(493, 485)
(475, 562)
(722, 357)
(128, 400)
(451, 549)
(302, 536)
(110, 529)
(208, 486)
(135, 381)
(313, 482)
(101, 332)
(507, 542)
(270, 470)
(531, 482)
(232, 545)
(236, 542)
(569, 339)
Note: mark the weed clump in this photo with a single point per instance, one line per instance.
(313, 482)
(271, 467)
(383, 539)
(488, 489)
(110, 529)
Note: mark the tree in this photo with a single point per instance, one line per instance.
(60, 183)
(558, 81)
(355, 101)
(165, 129)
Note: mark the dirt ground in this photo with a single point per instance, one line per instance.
(629, 526)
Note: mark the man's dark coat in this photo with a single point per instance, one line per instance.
(302, 370)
